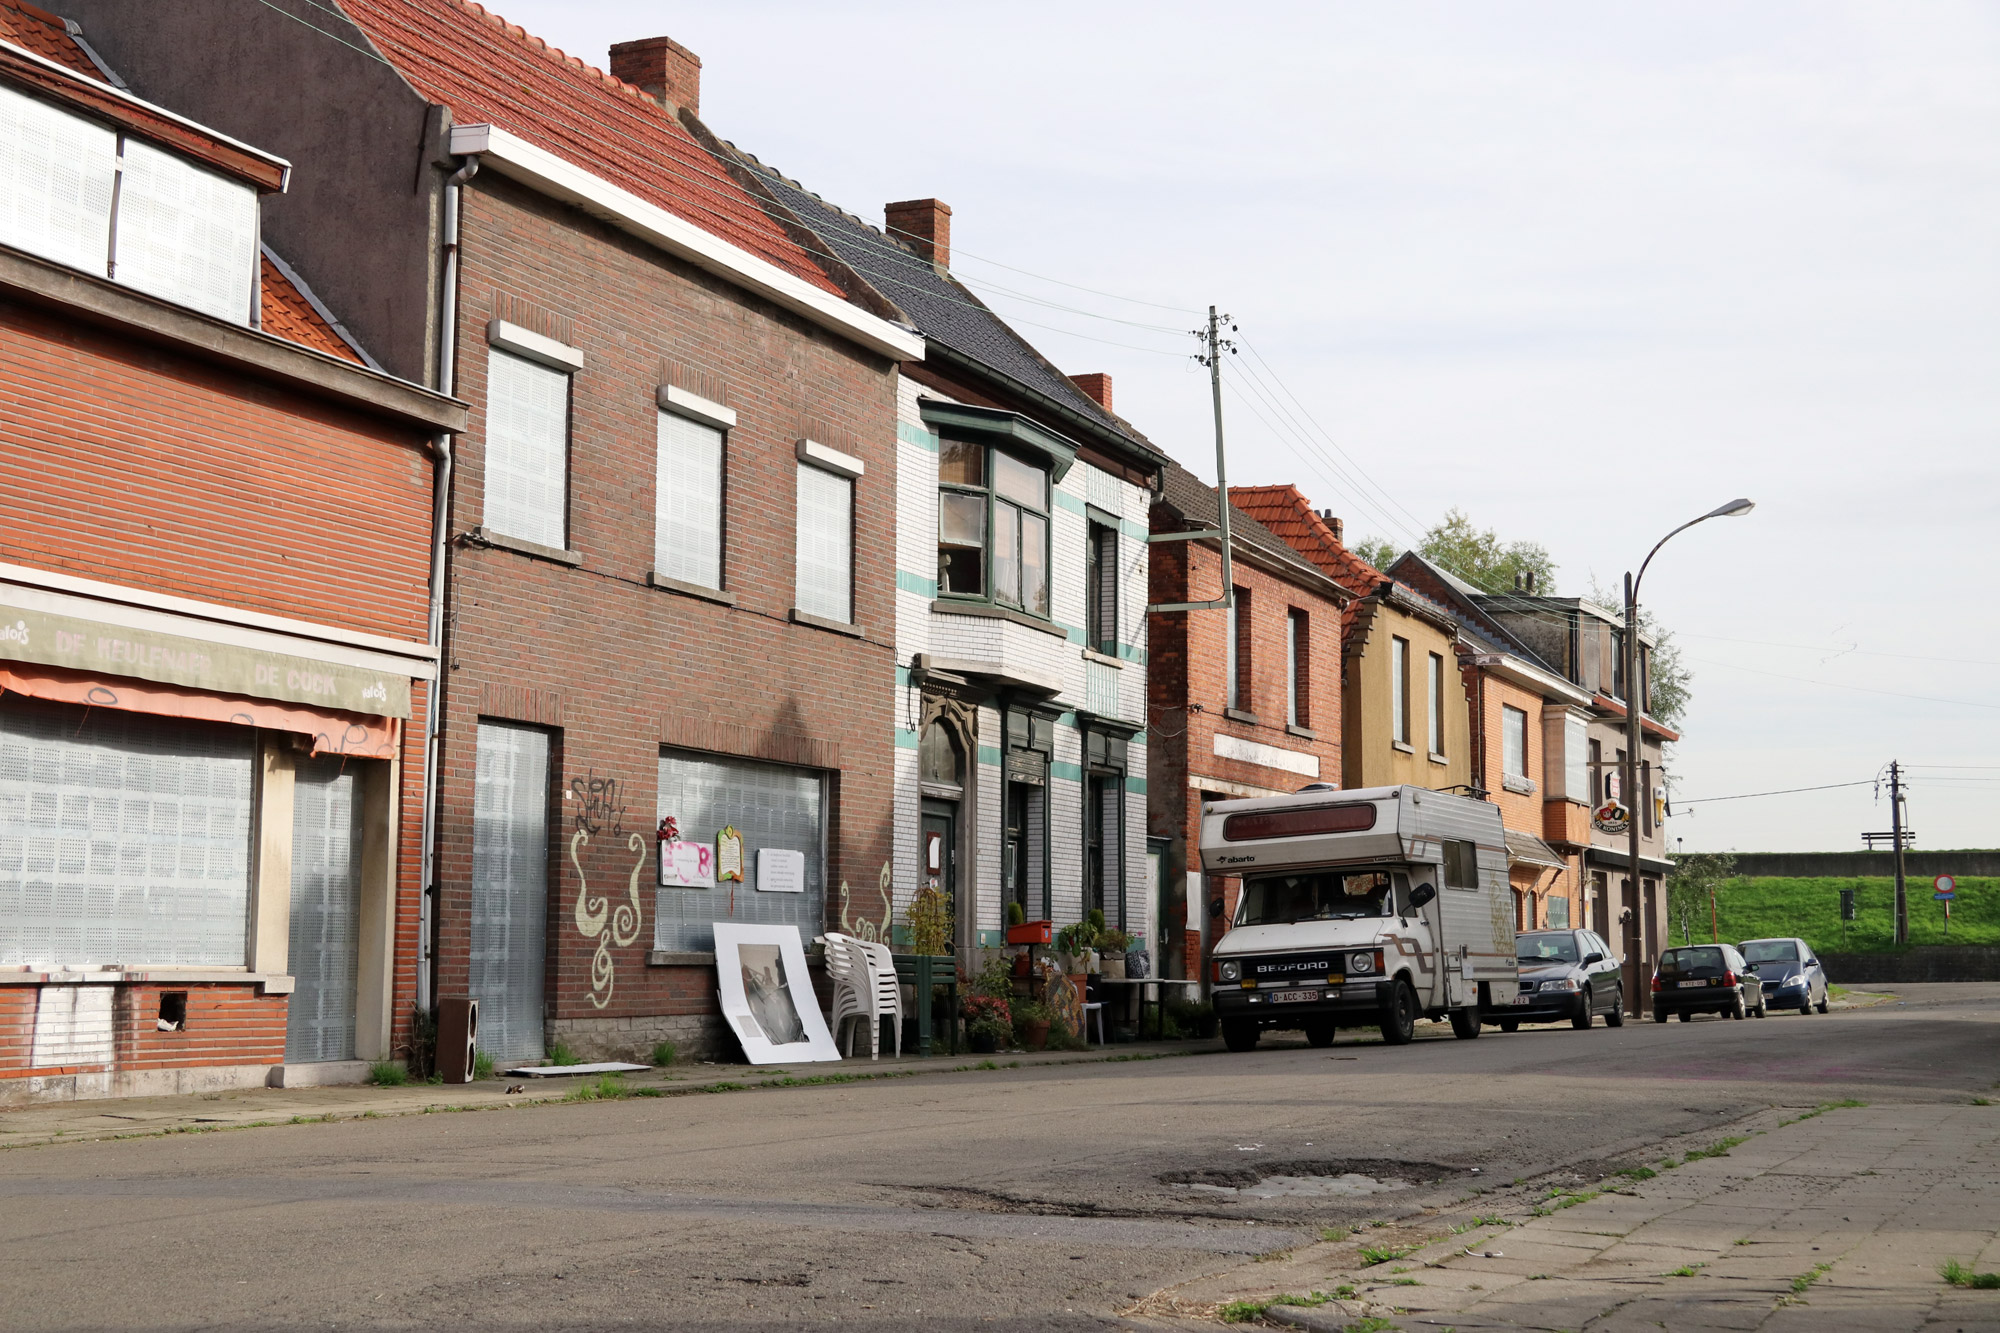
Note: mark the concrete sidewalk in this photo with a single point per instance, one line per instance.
(116, 1118)
(1817, 1221)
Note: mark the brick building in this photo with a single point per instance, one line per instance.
(1244, 701)
(1020, 594)
(215, 592)
(673, 516)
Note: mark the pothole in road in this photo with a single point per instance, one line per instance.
(1307, 1179)
(1348, 1185)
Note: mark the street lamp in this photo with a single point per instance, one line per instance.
(1635, 707)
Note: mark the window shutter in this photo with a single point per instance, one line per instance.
(56, 173)
(185, 234)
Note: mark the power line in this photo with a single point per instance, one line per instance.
(1839, 652)
(1837, 685)
(1787, 791)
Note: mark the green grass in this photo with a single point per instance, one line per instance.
(1810, 1276)
(1242, 1312)
(1382, 1256)
(1750, 909)
(561, 1054)
(1685, 1270)
(388, 1073)
(1720, 1148)
(1559, 1199)
(605, 1087)
(664, 1053)
(1956, 1273)
(482, 1065)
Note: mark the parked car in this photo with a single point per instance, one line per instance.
(1705, 979)
(1790, 974)
(1565, 974)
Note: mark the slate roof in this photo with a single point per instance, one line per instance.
(286, 311)
(940, 307)
(492, 71)
(1194, 499)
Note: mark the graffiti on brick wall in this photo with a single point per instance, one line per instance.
(865, 929)
(597, 811)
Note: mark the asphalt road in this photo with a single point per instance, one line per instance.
(1007, 1198)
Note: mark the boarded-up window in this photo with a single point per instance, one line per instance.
(326, 910)
(826, 545)
(687, 534)
(527, 450)
(510, 888)
(770, 806)
(185, 234)
(1513, 741)
(124, 838)
(56, 173)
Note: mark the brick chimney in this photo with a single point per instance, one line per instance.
(1096, 386)
(924, 225)
(661, 68)
(1339, 529)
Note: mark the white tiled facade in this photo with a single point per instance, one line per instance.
(1086, 681)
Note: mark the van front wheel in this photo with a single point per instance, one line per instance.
(1465, 1024)
(1240, 1034)
(1399, 1014)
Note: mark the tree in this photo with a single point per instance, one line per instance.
(1691, 886)
(1673, 683)
(1377, 551)
(1480, 558)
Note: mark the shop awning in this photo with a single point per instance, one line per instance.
(1525, 849)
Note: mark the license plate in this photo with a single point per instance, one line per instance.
(1294, 996)
(1686, 984)
(1524, 999)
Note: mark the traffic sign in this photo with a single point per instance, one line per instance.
(1945, 888)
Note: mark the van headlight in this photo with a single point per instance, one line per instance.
(1361, 964)
(1228, 970)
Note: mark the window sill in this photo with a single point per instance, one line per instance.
(1519, 786)
(821, 622)
(1303, 733)
(1404, 746)
(488, 537)
(988, 611)
(1241, 715)
(271, 983)
(665, 584)
(1102, 659)
(1439, 760)
(673, 958)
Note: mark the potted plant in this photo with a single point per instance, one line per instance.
(1078, 942)
(989, 1020)
(1112, 946)
(1031, 1023)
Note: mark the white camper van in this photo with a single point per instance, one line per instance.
(1360, 908)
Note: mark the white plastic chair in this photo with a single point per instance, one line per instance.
(865, 989)
(1094, 1009)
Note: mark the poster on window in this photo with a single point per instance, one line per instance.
(780, 870)
(687, 865)
(729, 855)
(767, 995)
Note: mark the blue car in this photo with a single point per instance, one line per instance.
(1792, 976)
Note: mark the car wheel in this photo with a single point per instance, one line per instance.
(1805, 1005)
(1581, 1019)
(1465, 1024)
(1687, 1016)
(1510, 1025)
(1240, 1034)
(1614, 1017)
(1659, 1014)
(1822, 1001)
(1738, 1010)
(1399, 1014)
(1321, 1034)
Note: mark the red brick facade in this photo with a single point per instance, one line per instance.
(616, 669)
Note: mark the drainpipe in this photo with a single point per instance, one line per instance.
(440, 547)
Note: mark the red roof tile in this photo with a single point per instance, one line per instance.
(1286, 512)
(289, 315)
(492, 71)
(46, 35)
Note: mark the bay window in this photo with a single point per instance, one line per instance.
(993, 526)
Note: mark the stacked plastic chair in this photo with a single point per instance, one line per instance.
(865, 989)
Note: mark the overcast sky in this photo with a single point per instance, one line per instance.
(1583, 271)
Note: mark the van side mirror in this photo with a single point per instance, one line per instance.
(1215, 908)
(1421, 895)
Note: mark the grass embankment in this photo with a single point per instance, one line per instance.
(1810, 908)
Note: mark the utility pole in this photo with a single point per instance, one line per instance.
(1635, 716)
(1896, 837)
(1213, 345)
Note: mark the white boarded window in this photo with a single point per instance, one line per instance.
(687, 533)
(124, 838)
(56, 173)
(1399, 689)
(1513, 741)
(185, 234)
(1434, 720)
(508, 925)
(826, 545)
(527, 450)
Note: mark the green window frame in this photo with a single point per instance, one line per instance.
(994, 527)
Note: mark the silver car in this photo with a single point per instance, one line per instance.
(1792, 976)
(1565, 974)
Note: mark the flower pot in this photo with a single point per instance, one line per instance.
(983, 1043)
(1031, 932)
(1111, 966)
(1023, 965)
(1035, 1034)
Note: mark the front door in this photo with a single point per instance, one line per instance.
(326, 910)
(937, 858)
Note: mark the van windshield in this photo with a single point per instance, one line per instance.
(1316, 895)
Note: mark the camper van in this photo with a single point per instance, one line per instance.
(1360, 908)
